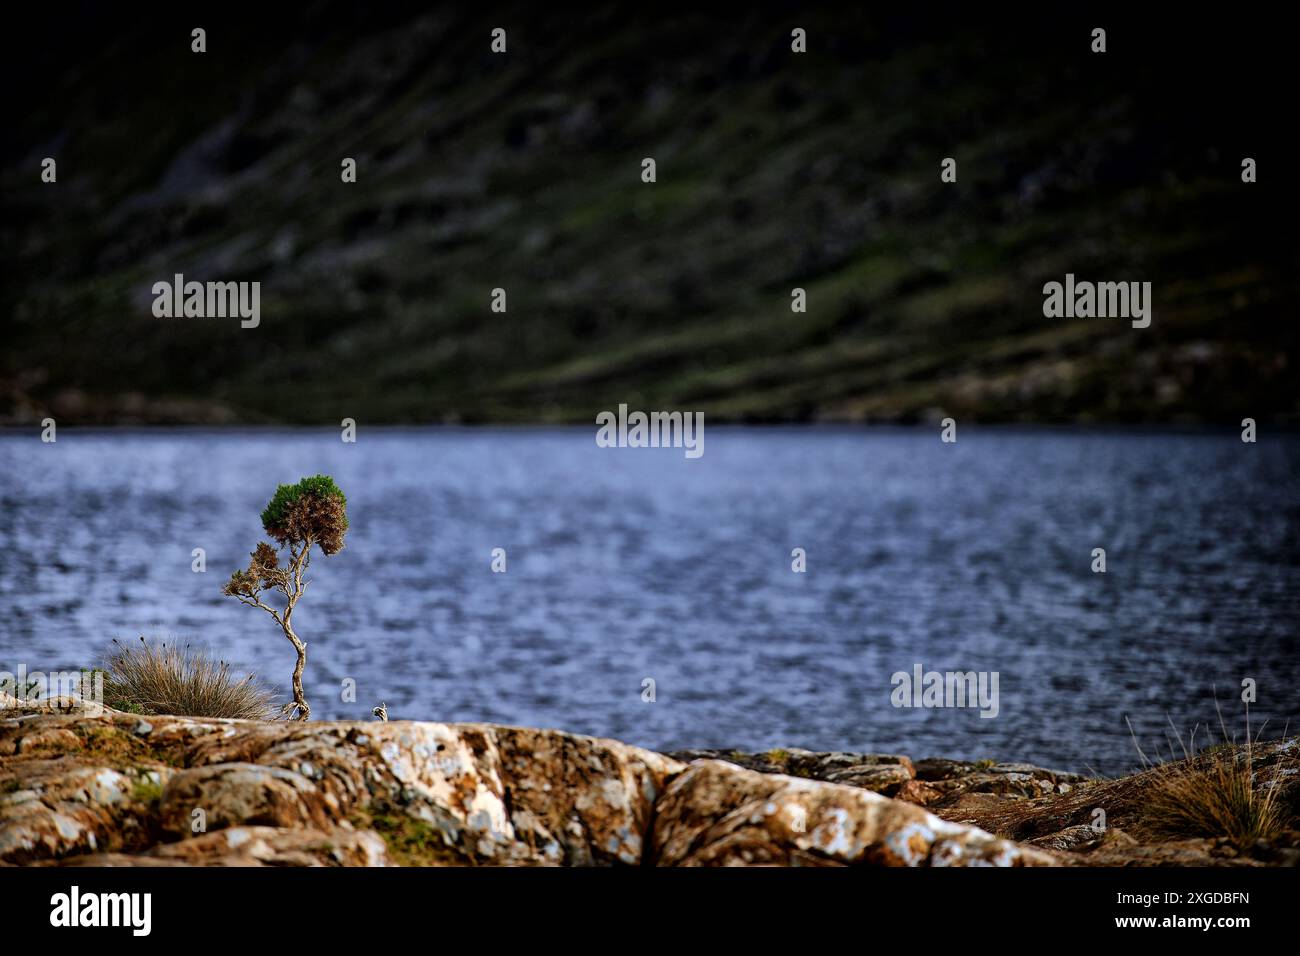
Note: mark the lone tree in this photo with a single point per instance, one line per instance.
(312, 512)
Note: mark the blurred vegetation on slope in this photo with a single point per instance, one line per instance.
(522, 171)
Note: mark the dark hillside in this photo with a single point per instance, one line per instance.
(522, 171)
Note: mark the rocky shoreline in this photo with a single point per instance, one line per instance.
(118, 789)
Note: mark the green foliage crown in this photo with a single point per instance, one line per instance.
(312, 510)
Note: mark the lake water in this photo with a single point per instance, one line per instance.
(628, 564)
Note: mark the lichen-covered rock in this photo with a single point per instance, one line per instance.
(719, 814)
(920, 792)
(240, 793)
(102, 788)
(53, 738)
(255, 846)
(880, 773)
(1070, 839)
(443, 793)
(927, 782)
(952, 778)
(55, 807)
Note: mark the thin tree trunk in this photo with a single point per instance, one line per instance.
(300, 701)
(299, 560)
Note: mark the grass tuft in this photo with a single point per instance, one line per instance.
(1215, 791)
(1218, 798)
(166, 679)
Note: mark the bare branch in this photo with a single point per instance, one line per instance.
(256, 602)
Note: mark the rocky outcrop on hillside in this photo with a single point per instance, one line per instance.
(1052, 810)
(1064, 821)
(117, 789)
(923, 782)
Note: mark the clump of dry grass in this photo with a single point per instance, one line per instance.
(1214, 792)
(166, 679)
(1222, 798)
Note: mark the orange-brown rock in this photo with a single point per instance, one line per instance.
(107, 788)
(115, 789)
(719, 814)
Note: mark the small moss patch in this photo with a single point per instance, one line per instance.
(125, 749)
(147, 791)
(411, 842)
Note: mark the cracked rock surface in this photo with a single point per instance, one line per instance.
(112, 789)
(104, 788)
